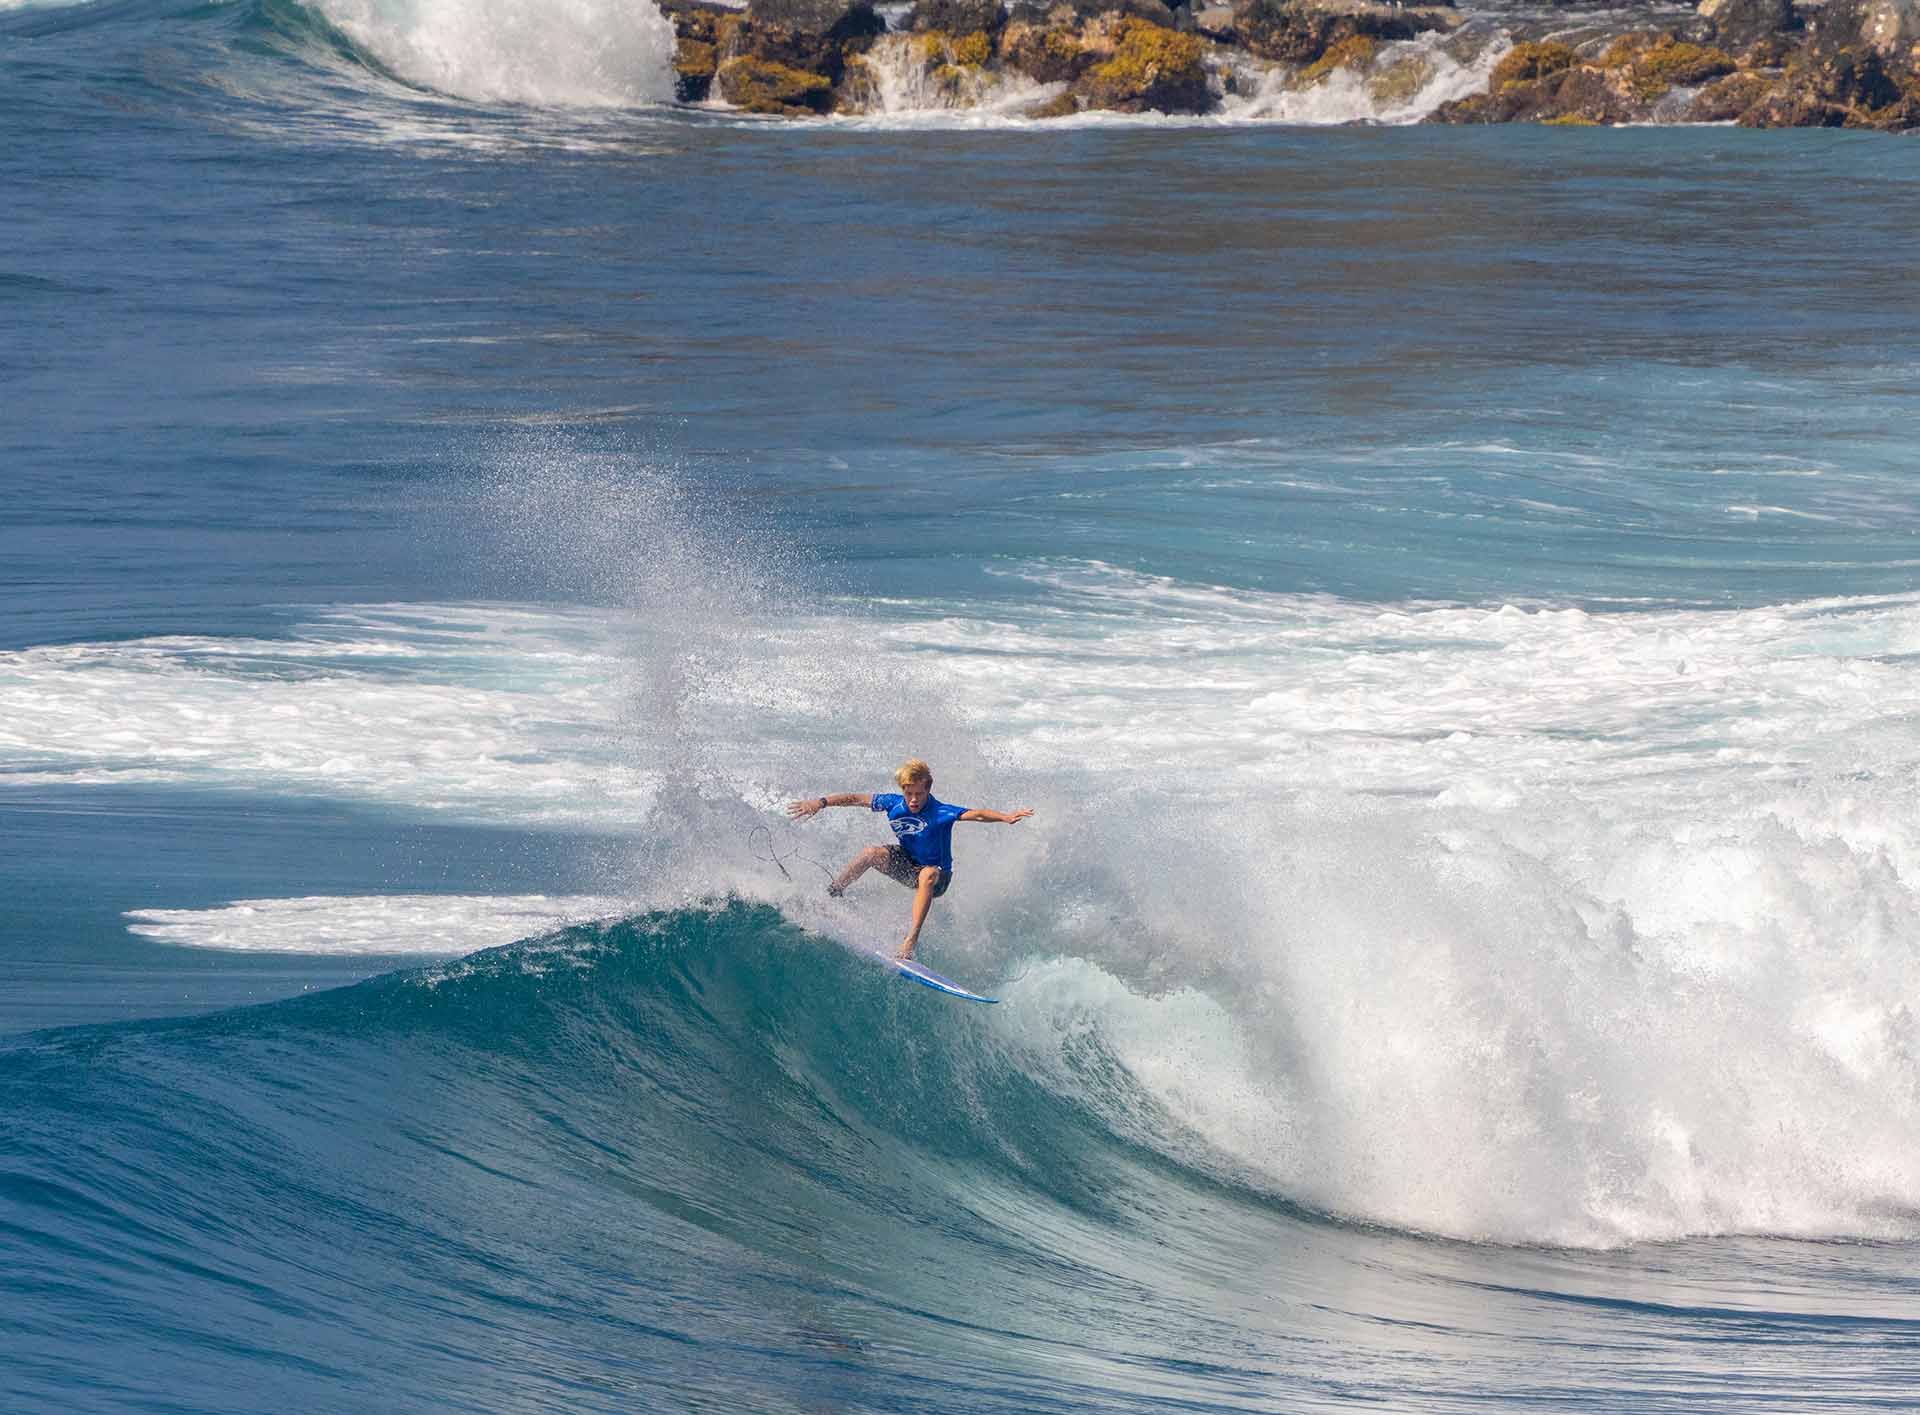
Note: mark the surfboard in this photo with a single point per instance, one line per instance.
(926, 977)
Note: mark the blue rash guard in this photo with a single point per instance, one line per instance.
(926, 835)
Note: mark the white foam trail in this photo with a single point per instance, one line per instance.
(1406, 82)
(548, 53)
(388, 924)
(906, 85)
(487, 714)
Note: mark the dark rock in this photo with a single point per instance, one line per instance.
(1854, 88)
(1771, 51)
(1853, 78)
(1300, 31)
(800, 16)
(1072, 13)
(813, 36)
(1793, 110)
(1579, 94)
(1724, 100)
(1736, 24)
(956, 16)
(1889, 28)
(1583, 94)
(1902, 115)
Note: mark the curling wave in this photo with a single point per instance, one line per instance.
(574, 54)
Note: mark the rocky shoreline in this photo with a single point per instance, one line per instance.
(1760, 63)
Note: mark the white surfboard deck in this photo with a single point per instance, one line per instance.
(928, 978)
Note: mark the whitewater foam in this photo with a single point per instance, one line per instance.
(498, 712)
(435, 925)
(904, 80)
(492, 713)
(547, 53)
(1402, 84)
(1443, 1032)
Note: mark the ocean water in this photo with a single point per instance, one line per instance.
(1448, 595)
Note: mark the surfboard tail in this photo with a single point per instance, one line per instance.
(926, 977)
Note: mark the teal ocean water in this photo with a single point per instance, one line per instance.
(1448, 595)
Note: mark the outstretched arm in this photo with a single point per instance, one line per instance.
(998, 817)
(800, 810)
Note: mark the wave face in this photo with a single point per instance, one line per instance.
(736, 1154)
(759, 1168)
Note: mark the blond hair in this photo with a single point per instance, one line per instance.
(912, 770)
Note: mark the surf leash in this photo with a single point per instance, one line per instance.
(778, 860)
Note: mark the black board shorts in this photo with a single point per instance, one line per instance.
(901, 866)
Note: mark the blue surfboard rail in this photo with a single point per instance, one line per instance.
(926, 977)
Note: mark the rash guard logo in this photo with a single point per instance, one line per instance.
(908, 825)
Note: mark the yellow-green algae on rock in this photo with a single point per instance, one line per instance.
(1676, 62)
(760, 86)
(1356, 51)
(1530, 61)
(1044, 53)
(1152, 68)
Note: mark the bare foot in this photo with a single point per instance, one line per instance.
(835, 890)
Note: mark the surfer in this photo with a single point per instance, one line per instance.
(921, 856)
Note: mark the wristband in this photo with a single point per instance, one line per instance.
(823, 803)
